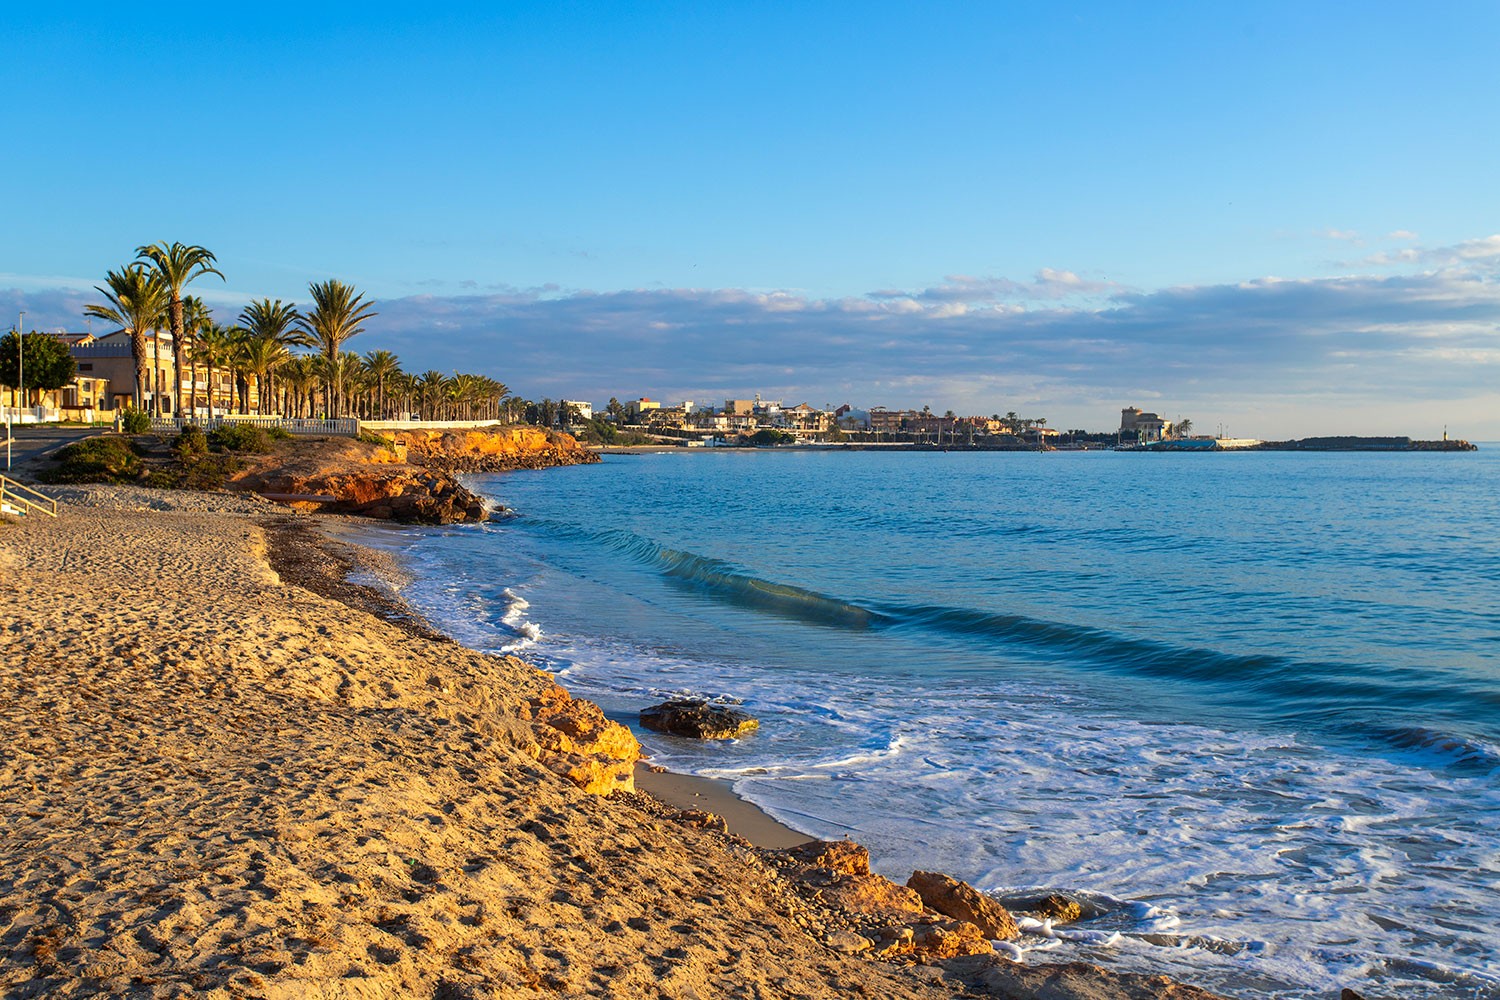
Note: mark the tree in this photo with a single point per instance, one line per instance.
(212, 349)
(338, 314)
(381, 366)
(616, 411)
(274, 321)
(135, 299)
(175, 266)
(403, 387)
(196, 318)
(1184, 426)
(430, 388)
(298, 376)
(46, 361)
(258, 357)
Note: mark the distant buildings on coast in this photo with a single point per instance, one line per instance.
(741, 419)
(762, 420)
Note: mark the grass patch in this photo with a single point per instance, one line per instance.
(370, 437)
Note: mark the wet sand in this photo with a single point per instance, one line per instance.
(687, 791)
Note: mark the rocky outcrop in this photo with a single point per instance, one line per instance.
(387, 492)
(842, 856)
(869, 912)
(1054, 906)
(575, 740)
(836, 873)
(409, 478)
(931, 940)
(496, 449)
(696, 718)
(992, 975)
(962, 901)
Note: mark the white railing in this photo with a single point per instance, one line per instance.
(427, 425)
(27, 414)
(25, 499)
(341, 427)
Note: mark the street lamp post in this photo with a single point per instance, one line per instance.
(21, 380)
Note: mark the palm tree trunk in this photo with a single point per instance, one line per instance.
(155, 373)
(176, 320)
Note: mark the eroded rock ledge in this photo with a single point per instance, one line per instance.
(412, 480)
(497, 449)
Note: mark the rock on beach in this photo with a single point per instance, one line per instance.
(698, 719)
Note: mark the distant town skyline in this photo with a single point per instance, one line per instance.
(1270, 217)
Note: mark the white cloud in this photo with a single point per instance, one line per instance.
(1313, 348)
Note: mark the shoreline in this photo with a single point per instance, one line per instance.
(715, 795)
(345, 553)
(223, 782)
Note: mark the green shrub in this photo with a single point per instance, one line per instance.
(770, 436)
(209, 473)
(370, 437)
(135, 422)
(278, 434)
(240, 437)
(191, 444)
(96, 460)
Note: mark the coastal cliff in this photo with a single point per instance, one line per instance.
(497, 449)
(409, 476)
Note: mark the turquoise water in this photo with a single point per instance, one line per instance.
(1249, 704)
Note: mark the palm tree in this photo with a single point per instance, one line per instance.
(402, 387)
(213, 349)
(135, 299)
(275, 321)
(459, 392)
(338, 373)
(196, 317)
(176, 265)
(337, 315)
(495, 394)
(297, 375)
(430, 387)
(381, 365)
(258, 357)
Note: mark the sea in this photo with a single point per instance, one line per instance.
(1244, 706)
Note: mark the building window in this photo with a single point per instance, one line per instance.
(86, 368)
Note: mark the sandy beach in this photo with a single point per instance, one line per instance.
(218, 781)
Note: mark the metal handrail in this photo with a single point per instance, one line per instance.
(8, 489)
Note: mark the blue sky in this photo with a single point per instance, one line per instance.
(1273, 216)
